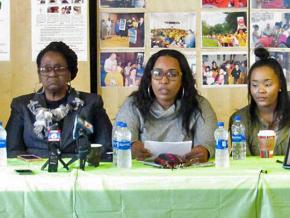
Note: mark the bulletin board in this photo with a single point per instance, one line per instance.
(217, 38)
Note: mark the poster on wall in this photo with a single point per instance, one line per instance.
(123, 30)
(59, 20)
(122, 3)
(173, 30)
(270, 29)
(227, 29)
(282, 57)
(121, 68)
(274, 4)
(224, 68)
(5, 30)
(224, 3)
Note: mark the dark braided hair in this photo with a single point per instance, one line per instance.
(62, 48)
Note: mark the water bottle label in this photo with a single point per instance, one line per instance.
(115, 144)
(124, 145)
(236, 138)
(221, 144)
(2, 143)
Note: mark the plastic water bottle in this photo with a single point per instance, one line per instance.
(114, 143)
(3, 151)
(238, 140)
(221, 152)
(124, 156)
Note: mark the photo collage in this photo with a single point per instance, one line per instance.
(228, 30)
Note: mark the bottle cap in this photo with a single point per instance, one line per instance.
(121, 124)
(237, 118)
(219, 124)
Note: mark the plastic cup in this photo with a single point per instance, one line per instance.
(95, 155)
(266, 140)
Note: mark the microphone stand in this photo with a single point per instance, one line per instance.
(58, 159)
(83, 146)
(53, 141)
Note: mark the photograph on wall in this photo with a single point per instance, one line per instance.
(224, 29)
(224, 68)
(5, 30)
(124, 30)
(270, 29)
(173, 30)
(282, 57)
(224, 3)
(271, 4)
(121, 68)
(191, 59)
(122, 3)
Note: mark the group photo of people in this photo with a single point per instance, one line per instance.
(270, 29)
(227, 29)
(169, 30)
(224, 4)
(122, 3)
(122, 30)
(224, 69)
(121, 68)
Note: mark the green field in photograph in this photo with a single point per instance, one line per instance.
(209, 42)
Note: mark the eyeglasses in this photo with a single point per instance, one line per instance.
(171, 74)
(59, 70)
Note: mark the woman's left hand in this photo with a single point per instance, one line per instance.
(198, 154)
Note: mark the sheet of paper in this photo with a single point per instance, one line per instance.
(179, 148)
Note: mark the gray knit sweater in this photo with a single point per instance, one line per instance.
(166, 124)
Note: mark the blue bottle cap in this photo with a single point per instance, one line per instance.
(219, 124)
(121, 124)
(237, 118)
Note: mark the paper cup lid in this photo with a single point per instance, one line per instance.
(266, 133)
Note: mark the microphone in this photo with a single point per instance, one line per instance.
(54, 136)
(82, 127)
(81, 130)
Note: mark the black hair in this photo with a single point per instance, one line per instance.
(144, 96)
(62, 48)
(283, 103)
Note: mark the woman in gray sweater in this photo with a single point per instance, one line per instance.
(167, 107)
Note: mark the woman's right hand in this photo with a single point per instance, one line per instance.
(139, 152)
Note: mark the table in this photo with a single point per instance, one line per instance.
(242, 190)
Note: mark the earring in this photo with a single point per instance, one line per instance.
(69, 86)
(182, 93)
(149, 94)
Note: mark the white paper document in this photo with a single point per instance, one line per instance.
(179, 148)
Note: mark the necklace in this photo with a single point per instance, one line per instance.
(45, 117)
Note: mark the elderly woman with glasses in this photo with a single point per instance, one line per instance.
(56, 103)
(167, 108)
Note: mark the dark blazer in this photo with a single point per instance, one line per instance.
(20, 136)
